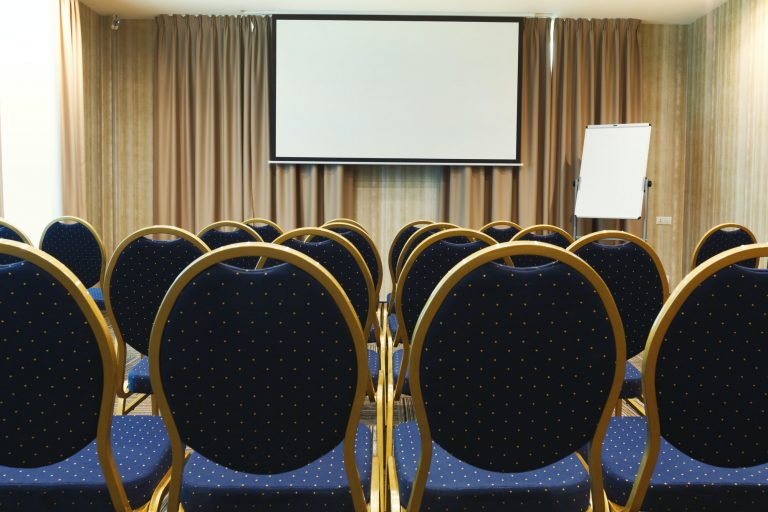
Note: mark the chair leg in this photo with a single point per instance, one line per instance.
(619, 406)
(153, 405)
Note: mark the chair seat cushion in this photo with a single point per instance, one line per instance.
(453, 485)
(373, 363)
(633, 382)
(322, 485)
(142, 452)
(98, 297)
(138, 377)
(397, 361)
(392, 323)
(679, 483)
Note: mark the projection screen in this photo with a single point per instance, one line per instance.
(395, 89)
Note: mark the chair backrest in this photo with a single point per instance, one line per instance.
(345, 263)
(705, 368)
(348, 221)
(363, 243)
(266, 229)
(721, 238)
(527, 363)
(228, 232)
(51, 328)
(402, 236)
(257, 333)
(415, 239)
(634, 274)
(427, 264)
(10, 232)
(501, 230)
(138, 276)
(75, 243)
(545, 233)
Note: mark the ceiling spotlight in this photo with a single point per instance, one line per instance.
(115, 22)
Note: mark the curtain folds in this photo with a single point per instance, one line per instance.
(73, 168)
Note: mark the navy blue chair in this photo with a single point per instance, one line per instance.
(228, 232)
(76, 244)
(499, 421)
(721, 238)
(501, 230)
(396, 247)
(703, 445)
(61, 447)
(429, 262)
(138, 275)
(637, 280)
(10, 232)
(270, 408)
(266, 229)
(545, 233)
(340, 257)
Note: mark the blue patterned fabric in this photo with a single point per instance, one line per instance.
(273, 340)
(75, 246)
(397, 365)
(267, 232)
(373, 362)
(633, 382)
(679, 483)
(507, 340)
(453, 485)
(367, 251)
(97, 295)
(414, 242)
(138, 377)
(397, 246)
(216, 238)
(321, 485)
(7, 233)
(142, 453)
(534, 261)
(141, 276)
(45, 339)
(712, 371)
(392, 322)
(722, 240)
(501, 234)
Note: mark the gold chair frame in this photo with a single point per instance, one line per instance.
(715, 229)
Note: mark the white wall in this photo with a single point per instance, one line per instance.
(30, 114)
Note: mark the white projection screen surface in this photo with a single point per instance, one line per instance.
(395, 89)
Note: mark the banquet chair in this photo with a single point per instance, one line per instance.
(501, 230)
(75, 243)
(348, 221)
(266, 229)
(138, 275)
(541, 233)
(637, 280)
(10, 232)
(396, 247)
(345, 263)
(498, 421)
(262, 373)
(702, 446)
(61, 447)
(227, 232)
(721, 238)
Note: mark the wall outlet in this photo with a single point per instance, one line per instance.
(663, 220)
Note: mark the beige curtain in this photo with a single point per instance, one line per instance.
(474, 196)
(595, 80)
(72, 109)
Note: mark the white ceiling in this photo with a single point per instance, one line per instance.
(653, 11)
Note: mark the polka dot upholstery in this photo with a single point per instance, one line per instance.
(679, 483)
(142, 453)
(529, 349)
(139, 279)
(406, 252)
(267, 232)
(712, 371)
(321, 485)
(636, 285)
(556, 239)
(138, 377)
(397, 366)
(367, 251)
(51, 375)
(77, 248)
(398, 244)
(501, 234)
(216, 238)
(268, 354)
(454, 485)
(97, 294)
(722, 240)
(7, 233)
